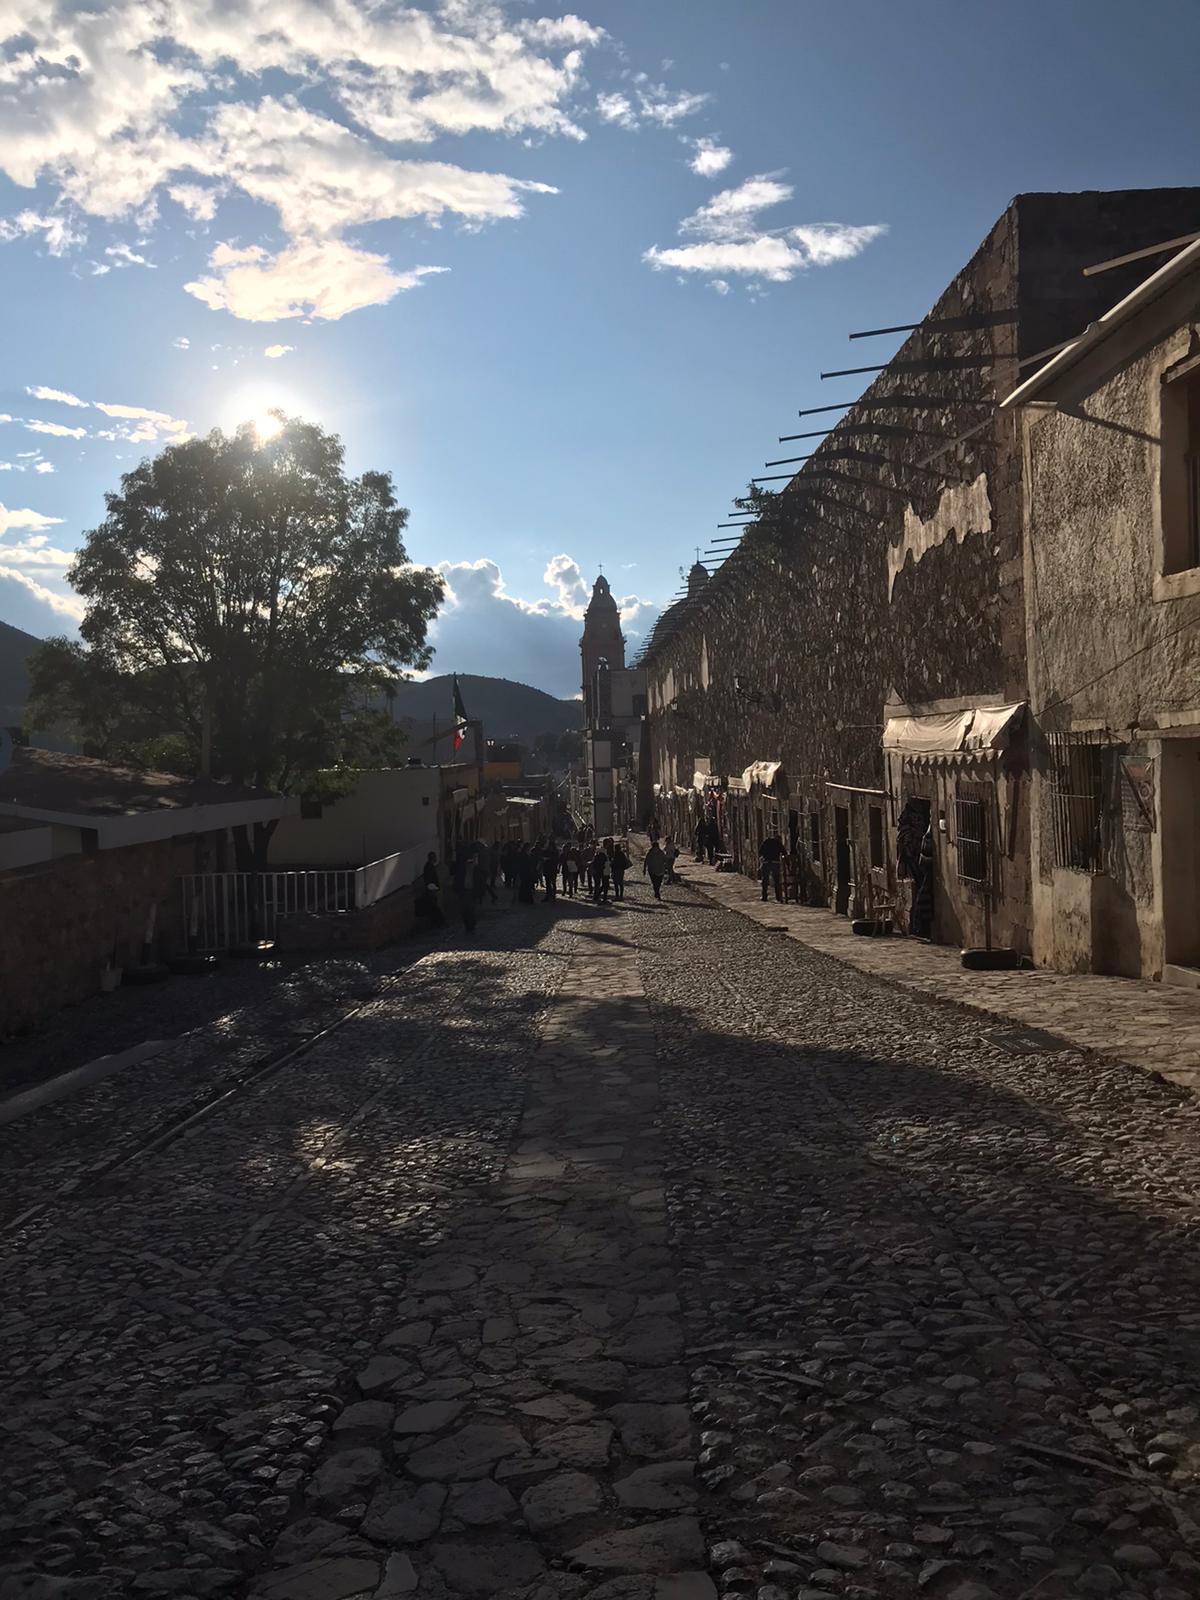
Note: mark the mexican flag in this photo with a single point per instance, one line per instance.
(460, 717)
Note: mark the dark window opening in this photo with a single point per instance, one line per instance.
(875, 821)
(814, 835)
(1181, 472)
(1077, 787)
(311, 810)
(971, 830)
(639, 705)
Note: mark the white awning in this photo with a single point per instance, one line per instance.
(761, 774)
(705, 780)
(954, 733)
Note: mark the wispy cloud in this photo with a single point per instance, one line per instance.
(57, 430)
(730, 239)
(182, 343)
(39, 391)
(274, 351)
(123, 256)
(643, 102)
(708, 157)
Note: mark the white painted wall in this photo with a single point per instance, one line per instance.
(390, 810)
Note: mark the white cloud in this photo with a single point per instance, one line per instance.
(720, 285)
(58, 429)
(536, 640)
(59, 233)
(44, 466)
(60, 604)
(39, 391)
(274, 351)
(326, 279)
(182, 343)
(33, 521)
(708, 157)
(732, 241)
(125, 257)
(110, 107)
(35, 551)
(647, 102)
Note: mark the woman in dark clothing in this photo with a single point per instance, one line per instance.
(527, 873)
(431, 890)
(550, 870)
(620, 866)
(920, 922)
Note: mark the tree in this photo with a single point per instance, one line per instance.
(251, 602)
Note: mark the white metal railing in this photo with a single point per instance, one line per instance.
(224, 909)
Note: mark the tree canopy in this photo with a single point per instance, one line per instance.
(247, 604)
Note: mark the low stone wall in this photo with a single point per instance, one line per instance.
(63, 921)
(380, 924)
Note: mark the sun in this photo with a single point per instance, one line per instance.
(257, 404)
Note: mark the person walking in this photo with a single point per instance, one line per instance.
(527, 871)
(620, 866)
(671, 851)
(654, 867)
(431, 891)
(587, 852)
(550, 864)
(600, 874)
(570, 868)
(464, 889)
(770, 857)
(712, 840)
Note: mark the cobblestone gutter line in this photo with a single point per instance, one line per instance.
(522, 1431)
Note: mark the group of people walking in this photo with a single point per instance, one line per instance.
(575, 867)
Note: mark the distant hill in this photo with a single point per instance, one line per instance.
(507, 710)
(15, 645)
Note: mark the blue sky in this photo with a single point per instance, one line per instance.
(652, 224)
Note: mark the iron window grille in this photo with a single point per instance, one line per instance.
(814, 835)
(1077, 775)
(971, 832)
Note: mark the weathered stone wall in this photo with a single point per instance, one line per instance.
(1095, 611)
(881, 574)
(61, 923)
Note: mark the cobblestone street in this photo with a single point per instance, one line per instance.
(636, 1253)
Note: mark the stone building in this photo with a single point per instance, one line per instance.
(1112, 584)
(865, 644)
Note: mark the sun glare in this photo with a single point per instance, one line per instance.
(257, 405)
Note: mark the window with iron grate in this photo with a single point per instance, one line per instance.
(971, 832)
(814, 835)
(1077, 779)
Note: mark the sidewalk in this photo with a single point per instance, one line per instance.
(1153, 1027)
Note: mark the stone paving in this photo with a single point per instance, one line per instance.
(632, 1253)
(1153, 1026)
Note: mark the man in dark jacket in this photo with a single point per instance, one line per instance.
(770, 855)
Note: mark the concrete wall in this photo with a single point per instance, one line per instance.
(394, 809)
(381, 924)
